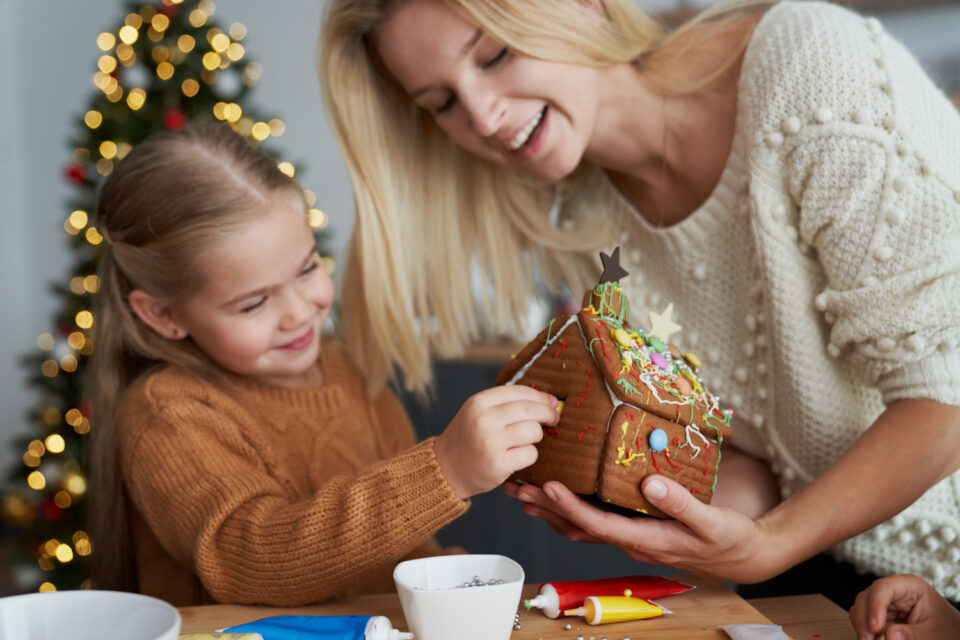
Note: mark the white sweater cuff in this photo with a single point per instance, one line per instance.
(936, 377)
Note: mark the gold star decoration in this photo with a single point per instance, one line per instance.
(662, 325)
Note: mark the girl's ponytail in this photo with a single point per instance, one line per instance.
(113, 567)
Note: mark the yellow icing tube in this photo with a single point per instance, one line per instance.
(604, 609)
(220, 636)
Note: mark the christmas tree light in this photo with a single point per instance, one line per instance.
(163, 65)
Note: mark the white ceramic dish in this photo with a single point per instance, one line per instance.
(87, 615)
(436, 607)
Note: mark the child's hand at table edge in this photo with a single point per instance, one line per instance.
(453, 551)
(904, 607)
(493, 435)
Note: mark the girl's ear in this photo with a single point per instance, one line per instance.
(156, 314)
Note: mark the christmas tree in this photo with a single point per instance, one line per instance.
(165, 64)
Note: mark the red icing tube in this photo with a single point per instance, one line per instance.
(554, 597)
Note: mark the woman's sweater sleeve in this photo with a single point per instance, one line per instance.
(886, 233)
(867, 150)
(205, 491)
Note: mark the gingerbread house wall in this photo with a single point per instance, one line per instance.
(572, 451)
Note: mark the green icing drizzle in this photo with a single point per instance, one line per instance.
(550, 328)
(716, 471)
(605, 291)
(626, 384)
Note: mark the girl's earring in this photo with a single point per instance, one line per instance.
(176, 333)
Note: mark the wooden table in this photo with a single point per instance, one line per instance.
(696, 615)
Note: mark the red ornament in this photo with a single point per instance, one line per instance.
(86, 408)
(51, 511)
(76, 173)
(168, 9)
(173, 119)
(66, 328)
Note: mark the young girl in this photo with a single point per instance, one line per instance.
(238, 456)
(785, 173)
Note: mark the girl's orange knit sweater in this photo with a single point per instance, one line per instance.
(275, 496)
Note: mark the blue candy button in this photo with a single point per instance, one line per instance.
(658, 439)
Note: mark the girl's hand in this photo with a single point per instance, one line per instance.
(492, 436)
(903, 607)
(708, 540)
(453, 551)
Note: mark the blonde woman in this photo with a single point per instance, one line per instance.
(786, 175)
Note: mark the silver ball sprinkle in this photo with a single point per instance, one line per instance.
(567, 627)
(477, 582)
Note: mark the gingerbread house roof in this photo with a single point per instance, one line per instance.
(621, 387)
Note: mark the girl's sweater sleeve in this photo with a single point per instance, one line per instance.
(204, 489)
(399, 433)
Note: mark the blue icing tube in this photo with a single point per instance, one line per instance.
(323, 628)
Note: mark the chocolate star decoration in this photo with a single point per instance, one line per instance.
(612, 271)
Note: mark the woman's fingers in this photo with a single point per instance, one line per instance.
(678, 503)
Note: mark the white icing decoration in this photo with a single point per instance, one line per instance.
(523, 370)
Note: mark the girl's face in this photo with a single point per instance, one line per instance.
(265, 299)
(516, 111)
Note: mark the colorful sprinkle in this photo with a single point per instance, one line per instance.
(622, 337)
(658, 439)
(656, 343)
(660, 361)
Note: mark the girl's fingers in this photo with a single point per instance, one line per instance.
(522, 411)
(867, 620)
(522, 434)
(520, 457)
(513, 393)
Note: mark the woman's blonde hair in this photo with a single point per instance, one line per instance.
(425, 209)
(167, 200)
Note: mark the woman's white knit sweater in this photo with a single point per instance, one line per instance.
(821, 279)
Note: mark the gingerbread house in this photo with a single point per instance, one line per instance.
(632, 403)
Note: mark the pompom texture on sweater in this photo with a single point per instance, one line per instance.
(820, 281)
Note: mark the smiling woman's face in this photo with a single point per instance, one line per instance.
(528, 114)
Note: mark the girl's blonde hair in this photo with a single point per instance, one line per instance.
(167, 200)
(425, 209)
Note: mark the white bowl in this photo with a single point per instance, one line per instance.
(436, 607)
(87, 615)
